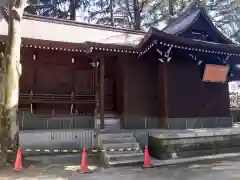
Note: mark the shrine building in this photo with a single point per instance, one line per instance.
(77, 75)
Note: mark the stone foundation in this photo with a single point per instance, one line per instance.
(142, 122)
(167, 144)
(200, 122)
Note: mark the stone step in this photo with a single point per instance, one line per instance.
(115, 136)
(125, 154)
(112, 126)
(119, 140)
(129, 160)
(116, 158)
(120, 146)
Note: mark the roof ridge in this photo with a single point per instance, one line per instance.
(188, 17)
(75, 23)
(188, 10)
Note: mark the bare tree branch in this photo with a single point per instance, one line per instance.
(4, 13)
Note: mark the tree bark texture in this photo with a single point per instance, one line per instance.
(112, 12)
(9, 124)
(137, 15)
(72, 10)
(170, 7)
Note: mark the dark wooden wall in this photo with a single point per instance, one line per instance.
(188, 96)
(2, 47)
(162, 91)
(27, 78)
(141, 86)
(171, 90)
(119, 85)
(136, 85)
(82, 75)
(109, 82)
(54, 73)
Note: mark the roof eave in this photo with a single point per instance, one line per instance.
(146, 38)
(172, 40)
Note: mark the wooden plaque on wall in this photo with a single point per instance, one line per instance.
(215, 73)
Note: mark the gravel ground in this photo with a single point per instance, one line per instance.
(66, 170)
(224, 170)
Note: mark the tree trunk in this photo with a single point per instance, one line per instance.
(112, 12)
(137, 16)
(170, 7)
(9, 122)
(72, 10)
(3, 136)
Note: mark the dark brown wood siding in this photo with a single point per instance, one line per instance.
(162, 91)
(142, 86)
(188, 96)
(119, 85)
(26, 81)
(53, 72)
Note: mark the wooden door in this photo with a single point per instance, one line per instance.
(84, 82)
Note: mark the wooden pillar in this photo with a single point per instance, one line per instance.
(34, 82)
(125, 91)
(73, 84)
(34, 71)
(165, 82)
(102, 74)
(96, 83)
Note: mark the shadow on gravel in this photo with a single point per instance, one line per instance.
(56, 166)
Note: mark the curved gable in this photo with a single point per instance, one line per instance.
(195, 23)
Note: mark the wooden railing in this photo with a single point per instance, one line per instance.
(63, 99)
(56, 98)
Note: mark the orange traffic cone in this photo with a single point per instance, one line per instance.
(147, 163)
(18, 161)
(84, 164)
